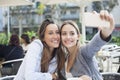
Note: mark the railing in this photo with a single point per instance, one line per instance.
(111, 76)
(10, 67)
(7, 77)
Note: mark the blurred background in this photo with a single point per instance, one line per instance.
(25, 17)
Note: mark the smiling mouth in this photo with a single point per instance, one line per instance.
(55, 42)
(68, 42)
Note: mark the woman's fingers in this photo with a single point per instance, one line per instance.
(107, 30)
(112, 23)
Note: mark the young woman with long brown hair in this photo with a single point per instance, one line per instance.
(80, 60)
(44, 55)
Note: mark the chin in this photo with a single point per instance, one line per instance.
(56, 46)
(69, 46)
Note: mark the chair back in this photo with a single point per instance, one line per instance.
(111, 76)
(7, 77)
(10, 67)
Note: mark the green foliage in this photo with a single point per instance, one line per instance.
(40, 9)
(31, 33)
(4, 39)
(89, 37)
(116, 40)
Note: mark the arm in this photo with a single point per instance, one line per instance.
(101, 37)
(32, 67)
(93, 46)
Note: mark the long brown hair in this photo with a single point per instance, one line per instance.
(46, 57)
(71, 55)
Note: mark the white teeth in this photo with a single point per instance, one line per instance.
(55, 41)
(68, 41)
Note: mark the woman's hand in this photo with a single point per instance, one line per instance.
(85, 77)
(106, 31)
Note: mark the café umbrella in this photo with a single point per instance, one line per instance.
(5, 3)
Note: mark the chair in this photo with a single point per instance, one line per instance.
(7, 77)
(10, 67)
(110, 76)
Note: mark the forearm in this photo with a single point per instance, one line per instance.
(94, 45)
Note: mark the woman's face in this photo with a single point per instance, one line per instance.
(69, 36)
(52, 36)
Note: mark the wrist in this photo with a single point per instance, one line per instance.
(105, 38)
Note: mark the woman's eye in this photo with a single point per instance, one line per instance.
(72, 33)
(63, 33)
(50, 33)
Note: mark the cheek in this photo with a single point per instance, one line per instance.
(46, 39)
(48, 43)
(62, 38)
(58, 37)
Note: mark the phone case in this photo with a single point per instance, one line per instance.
(94, 20)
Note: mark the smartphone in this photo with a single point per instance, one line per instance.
(94, 20)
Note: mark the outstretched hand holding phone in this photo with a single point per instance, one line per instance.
(103, 20)
(107, 31)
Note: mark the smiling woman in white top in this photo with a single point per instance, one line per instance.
(41, 60)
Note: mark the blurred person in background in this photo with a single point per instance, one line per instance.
(2, 47)
(25, 41)
(13, 50)
(33, 38)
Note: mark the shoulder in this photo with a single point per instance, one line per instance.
(36, 43)
(35, 49)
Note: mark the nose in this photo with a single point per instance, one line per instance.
(68, 36)
(56, 35)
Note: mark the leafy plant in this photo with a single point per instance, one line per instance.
(30, 33)
(40, 9)
(116, 40)
(4, 39)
